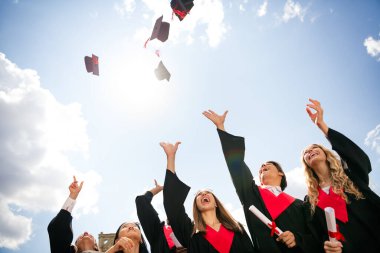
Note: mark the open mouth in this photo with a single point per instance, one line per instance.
(312, 155)
(205, 199)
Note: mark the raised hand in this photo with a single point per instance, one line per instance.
(156, 189)
(218, 120)
(170, 151)
(317, 116)
(169, 148)
(74, 188)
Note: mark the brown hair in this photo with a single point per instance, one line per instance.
(222, 214)
(340, 182)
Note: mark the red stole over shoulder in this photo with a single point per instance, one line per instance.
(167, 231)
(221, 240)
(275, 204)
(335, 201)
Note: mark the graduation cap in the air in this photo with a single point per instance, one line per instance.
(160, 31)
(181, 7)
(161, 72)
(92, 64)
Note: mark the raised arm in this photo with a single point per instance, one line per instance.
(148, 216)
(175, 193)
(59, 229)
(356, 159)
(233, 150)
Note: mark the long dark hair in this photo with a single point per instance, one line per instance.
(142, 247)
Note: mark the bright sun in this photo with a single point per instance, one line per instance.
(134, 88)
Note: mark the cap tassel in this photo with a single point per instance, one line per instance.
(146, 42)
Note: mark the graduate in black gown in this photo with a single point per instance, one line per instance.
(343, 185)
(289, 214)
(159, 235)
(128, 239)
(60, 230)
(213, 229)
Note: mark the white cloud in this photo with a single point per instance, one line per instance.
(293, 10)
(241, 7)
(262, 11)
(36, 133)
(205, 13)
(373, 47)
(125, 7)
(296, 183)
(373, 139)
(15, 229)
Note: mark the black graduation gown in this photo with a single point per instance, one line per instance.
(175, 193)
(295, 218)
(151, 224)
(61, 233)
(361, 232)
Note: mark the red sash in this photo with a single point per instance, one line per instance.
(167, 231)
(275, 204)
(335, 201)
(221, 240)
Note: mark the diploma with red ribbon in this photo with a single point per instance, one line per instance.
(266, 221)
(332, 227)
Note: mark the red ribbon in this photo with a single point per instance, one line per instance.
(182, 14)
(337, 235)
(273, 228)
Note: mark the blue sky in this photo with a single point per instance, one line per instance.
(261, 60)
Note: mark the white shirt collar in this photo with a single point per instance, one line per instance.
(276, 190)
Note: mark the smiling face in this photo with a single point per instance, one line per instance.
(313, 155)
(270, 175)
(205, 200)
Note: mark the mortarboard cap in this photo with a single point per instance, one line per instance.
(181, 7)
(160, 30)
(92, 64)
(161, 72)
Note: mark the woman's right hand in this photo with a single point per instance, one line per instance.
(169, 148)
(317, 116)
(75, 189)
(218, 120)
(170, 151)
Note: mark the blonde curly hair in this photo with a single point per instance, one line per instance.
(340, 182)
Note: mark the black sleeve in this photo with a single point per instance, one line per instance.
(175, 193)
(357, 161)
(148, 217)
(309, 241)
(234, 151)
(61, 233)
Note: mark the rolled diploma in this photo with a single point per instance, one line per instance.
(175, 240)
(264, 219)
(331, 223)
